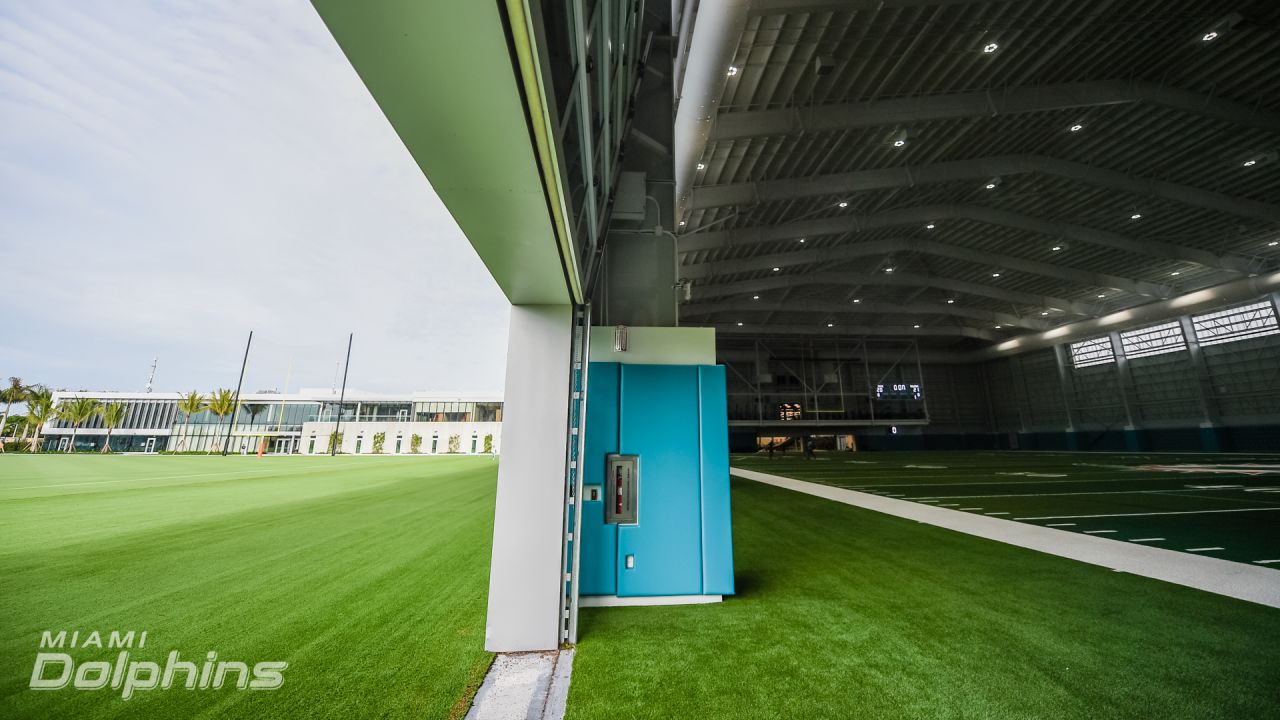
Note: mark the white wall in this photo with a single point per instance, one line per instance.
(353, 430)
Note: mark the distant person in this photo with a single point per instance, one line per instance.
(771, 450)
(808, 447)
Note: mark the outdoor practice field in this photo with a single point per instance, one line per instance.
(1224, 506)
(367, 575)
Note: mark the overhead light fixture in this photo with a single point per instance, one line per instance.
(1056, 248)
(1043, 313)
(843, 204)
(993, 183)
(856, 301)
(990, 48)
(995, 274)
(1217, 30)
(755, 297)
(899, 139)
(1258, 159)
(1175, 273)
(1076, 128)
(831, 324)
(776, 269)
(999, 327)
(1100, 296)
(1273, 243)
(801, 239)
(702, 166)
(951, 302)
(682, 223)
(888, 270)
(916, 327)
(1136, 216)
(1250, 162)
(739, 324)
(733, 70)
(930, 226)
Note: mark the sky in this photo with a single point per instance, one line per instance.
(175, 174)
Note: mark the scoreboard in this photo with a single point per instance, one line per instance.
(899, 391)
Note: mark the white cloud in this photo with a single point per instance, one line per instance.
(176, 175)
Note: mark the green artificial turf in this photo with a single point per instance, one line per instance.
(367, 575)
(1158, 499)
(847, 613)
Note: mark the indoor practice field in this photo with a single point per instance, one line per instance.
(367, 575)
(1220, 505)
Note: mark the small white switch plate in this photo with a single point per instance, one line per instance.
(631, 562)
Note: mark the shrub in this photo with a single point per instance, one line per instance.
(488, 444)
(378, 440)
(415, 444)
(335, 440)
(455, 444)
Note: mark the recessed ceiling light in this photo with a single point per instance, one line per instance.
(1273, 243)
(930, 226)
(1056, 248)
(990, 48)
(831, 324)
(843, 204)
(1136, 216)
(916, 327)
(899, 138)
(999, 327)
(776, 269)
(1250, 162)
(702, 166)
(682, 223)
(1215, 31)
(755, 297)
(1209, 36)
(993, 183)
(856, 300)
(899, 143)
(888, 270)
(951, 302)
(1101, 296)
(801, 239)
(1076, 128)
(996, 274)
(1042, 314)
(733, 70)
(1175, 273)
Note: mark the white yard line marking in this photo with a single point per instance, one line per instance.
(1266, 562)
(948, 504)
(1146, 514)
(1063, 494)
(1061, 525)
(970, 508)
(1097, 532)
(1146, 540)
(1203, 549)
(996, 513)
(928, 501)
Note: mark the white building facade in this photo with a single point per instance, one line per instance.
(293, 424)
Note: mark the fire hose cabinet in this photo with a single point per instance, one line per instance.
(656, 518)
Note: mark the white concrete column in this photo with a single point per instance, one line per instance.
(526, 580)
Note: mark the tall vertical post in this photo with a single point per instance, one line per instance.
(1127, 393)
(1204, 387)
(235, 406)
(526, 575)
(1067, 383)
(337, 423)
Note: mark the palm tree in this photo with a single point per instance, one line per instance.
(190, 404)
(222, 402)
(15, 392)
(77, 412)
(39, 412)
(112, 415)
(38, 396)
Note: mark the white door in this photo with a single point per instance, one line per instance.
(151, 445)
(64, 443)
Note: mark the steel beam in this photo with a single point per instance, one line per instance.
(875, 308)
(903, 111)
(929, 247)
(976, 169)
(744, 287)
(855, 331)
(923, 214)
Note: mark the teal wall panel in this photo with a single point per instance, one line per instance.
(598, 557)
(717, 522)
